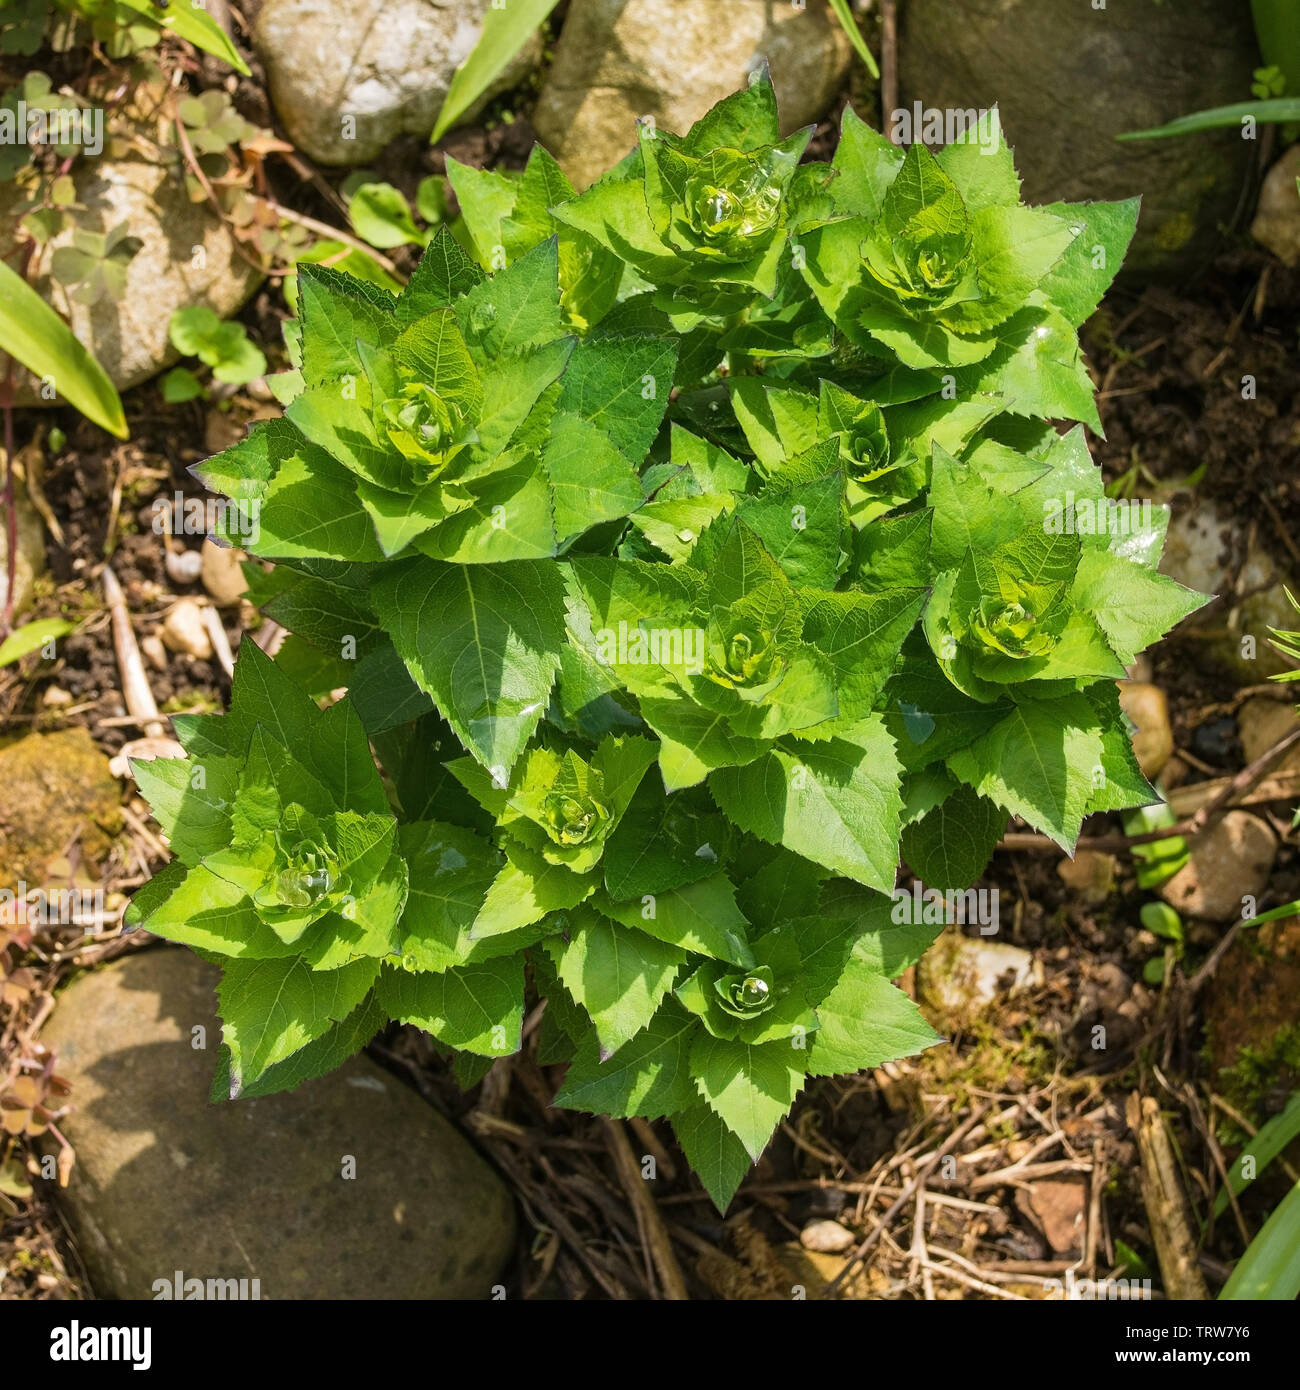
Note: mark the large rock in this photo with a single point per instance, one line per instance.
(1070, 76)
(253, 1189)
(187, 257)
(674, 59)
(56, 789)
(348, 76)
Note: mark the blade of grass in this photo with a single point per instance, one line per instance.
(504, 33)
(1270, 1268)
(1271, 1139)
(1219, 117)
(34, 334)
(845, 17)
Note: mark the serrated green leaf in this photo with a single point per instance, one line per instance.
(716, 1156)
(479, 1008)
(950, 846)
(270, 1009)
(618, 975)
(750, 1088)
(484, 641)
(648, 1076)
(836, 803)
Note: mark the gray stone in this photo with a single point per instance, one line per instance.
(1263, 723)
(29, 563)
(826, 1237)
(674, 59)
(1069, 77)
(1211, 552)
(223, 576)
(1231, 861)
(253, 1189)
(348, 76)
(129, 336)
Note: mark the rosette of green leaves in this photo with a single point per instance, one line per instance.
(287, 873)
(1043, 591)
(932, 262)
(731, 649)
(705, 218)
(884, 451)
(506, 215)
(732, 1042)
(457, 419)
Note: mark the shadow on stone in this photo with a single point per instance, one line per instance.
(254, 1189)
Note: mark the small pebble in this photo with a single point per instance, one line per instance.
(222, 576)
(154, 651)
(826, 1237)
(183, 630)
(183, 566)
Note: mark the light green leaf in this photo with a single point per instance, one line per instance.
(31, 637)
(39, 339)
(700, 917)
(716, 1156)
(865, 1021)
(505, 31)
(618, 975)
(837, 803)
(484, 641)
(271, 1009)
(648, 1076)
(950, 846)
(479, 1008)
(1038, 763)
(750, 1088)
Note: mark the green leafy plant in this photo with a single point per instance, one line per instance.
(684, 548)
(34, 334)
(224, 346)
(1161, 920)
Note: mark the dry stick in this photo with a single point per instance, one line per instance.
(1095, 1184)
(888, 60)
(922, 1173)
(556, 1218)
(663, 1159)
(212, 625)
(1196, 824)
(1166, 1203)
(135, 684)
(671, 1278)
